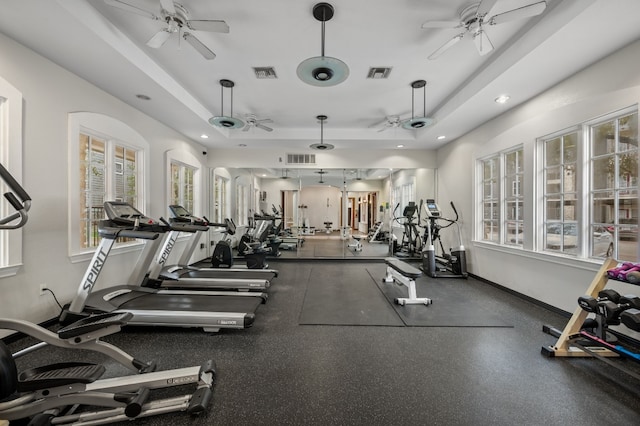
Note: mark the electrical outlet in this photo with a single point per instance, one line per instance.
(43, 288)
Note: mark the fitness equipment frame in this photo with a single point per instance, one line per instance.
(52, 393)
(44, 392)
(184, 276)
(411, 241)
(153, 307)
(445, 265)
(406, 275)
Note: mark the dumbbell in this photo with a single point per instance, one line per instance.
(590, 304)
(631, 318)
(611, 311)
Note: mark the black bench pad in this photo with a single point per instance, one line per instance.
(403, 267)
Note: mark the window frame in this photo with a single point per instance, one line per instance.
(184, 159)
(11, 144)
(113, 131)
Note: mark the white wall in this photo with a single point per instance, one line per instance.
(607, 86)
(323, 205)
(49, 94)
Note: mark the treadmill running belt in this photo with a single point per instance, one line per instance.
(176, 302)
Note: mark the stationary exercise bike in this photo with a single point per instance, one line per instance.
(442, 264)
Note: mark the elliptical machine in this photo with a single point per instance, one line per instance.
(411, 242)
(443, 265)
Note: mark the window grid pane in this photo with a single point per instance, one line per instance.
(561, 228)
(614, 188)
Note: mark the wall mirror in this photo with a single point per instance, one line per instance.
(323, 212)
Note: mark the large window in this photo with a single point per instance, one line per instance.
(561, 193)
(108, 172)
(107, 161)
(220, 199)
(502, 198)
(242, 204)
(11, 159)
(491, 199)
(614, 185)
(590, 189)
(513, 198)
(182, 188)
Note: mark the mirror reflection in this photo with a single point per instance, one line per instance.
(318, 212)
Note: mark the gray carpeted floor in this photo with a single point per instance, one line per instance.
(282, 373)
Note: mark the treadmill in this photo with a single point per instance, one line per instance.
(181, 215)
(186, 277)
(152, 307)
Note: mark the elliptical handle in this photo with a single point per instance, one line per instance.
(13, 184)
(455, 211)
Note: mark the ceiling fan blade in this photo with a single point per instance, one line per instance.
(482, 42)
(445, 46)
(209, 25)
(130, 8)
(520, 13)
(199, 46)
(485, 7)
(159, 39)
(442, 24)
(260, 126)
(264, 120)
(168, 6)
(246, 127)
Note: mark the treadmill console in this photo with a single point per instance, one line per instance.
(181, 215)
(124, 215)
(432, 209)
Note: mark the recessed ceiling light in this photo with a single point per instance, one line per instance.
(441, 137)
(502, 99)
(400, 146)
(242, 144)
(143, 97)
(203, 136)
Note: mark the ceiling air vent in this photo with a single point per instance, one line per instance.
(379, 72)
(265, 72)
(301, 159)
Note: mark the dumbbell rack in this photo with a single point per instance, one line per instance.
(571, 340)
(566, 345)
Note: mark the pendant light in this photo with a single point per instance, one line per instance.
(221, 120)
(321, 146)
(418, 122)
(323, 71)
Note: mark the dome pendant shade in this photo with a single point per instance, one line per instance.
(321, 146)
(227, 122)
(415, 123)
(322, 71)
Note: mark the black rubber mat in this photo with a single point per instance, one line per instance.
(455, 303)
(345, 296)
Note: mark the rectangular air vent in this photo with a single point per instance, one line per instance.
(265, 72)
(301, 159)
(379, 72)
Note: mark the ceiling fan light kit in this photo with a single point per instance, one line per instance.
(473, 19)
(418, 122)
(323, 71)
(177, 19)
(227, 122)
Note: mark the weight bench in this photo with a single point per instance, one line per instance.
(405, 274)
(356, 245)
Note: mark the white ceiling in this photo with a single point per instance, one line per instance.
(107, 46)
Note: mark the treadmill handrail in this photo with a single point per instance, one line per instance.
(111, 232)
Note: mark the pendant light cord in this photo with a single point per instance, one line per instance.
(322, 45)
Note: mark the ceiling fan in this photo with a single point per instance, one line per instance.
(390, 122)
(177, 19)
(252, 121)
(473, 20)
